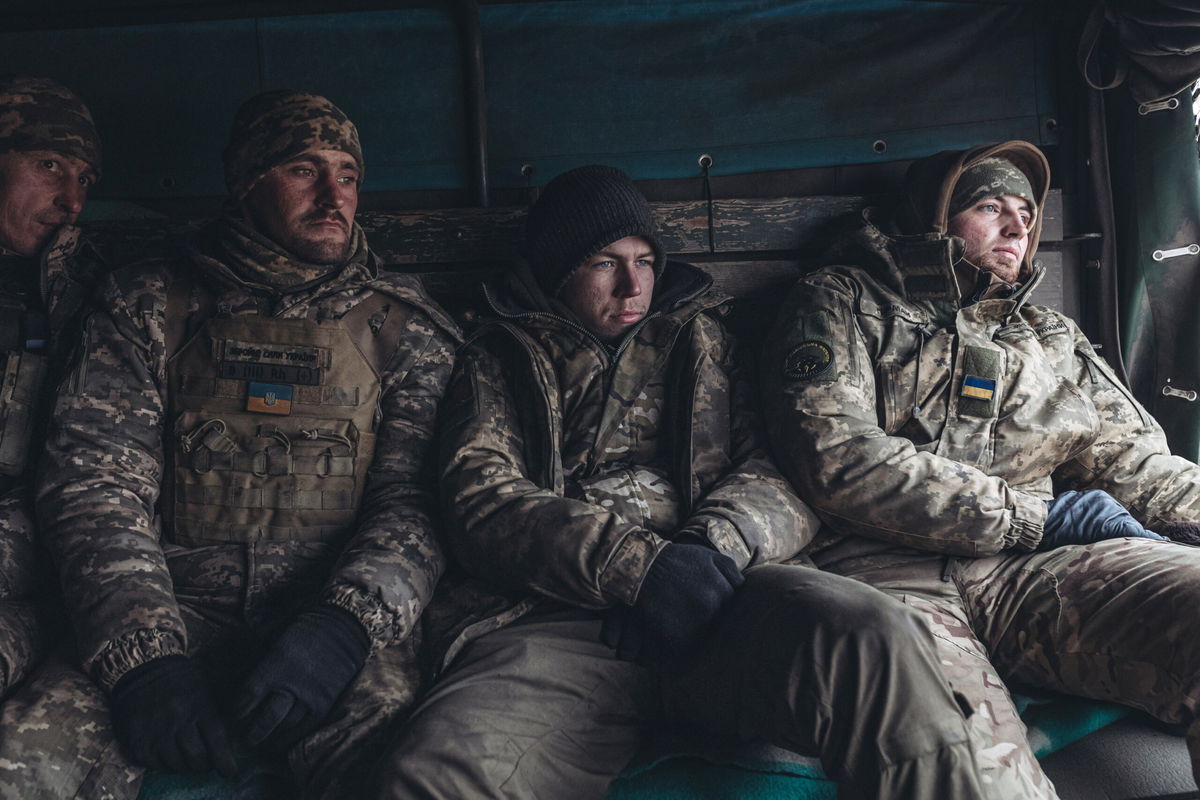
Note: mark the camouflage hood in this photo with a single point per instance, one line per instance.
(929, 185)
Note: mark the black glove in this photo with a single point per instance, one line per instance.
(686, 586)
(295, 685)
(1086, 517)
(165, 719)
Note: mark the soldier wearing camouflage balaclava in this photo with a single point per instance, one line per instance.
(278, 392)
(975, 458)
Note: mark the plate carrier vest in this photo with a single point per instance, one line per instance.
(272, 424)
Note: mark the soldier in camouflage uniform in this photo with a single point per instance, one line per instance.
(605, 489)
(49, 157)
(974, 457)
(239, 493)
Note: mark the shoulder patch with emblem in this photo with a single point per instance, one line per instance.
(807, 360)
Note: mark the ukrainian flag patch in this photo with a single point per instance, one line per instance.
(269, 398)
(978, 388)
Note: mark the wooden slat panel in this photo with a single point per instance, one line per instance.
(456, 237)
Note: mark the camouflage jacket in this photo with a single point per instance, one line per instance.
(563, 477)
(57, 285)
(53, 288)
(98, 499)
(912, 423)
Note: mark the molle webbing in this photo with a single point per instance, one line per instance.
(190, 531)
(298, 500)
(273, 426)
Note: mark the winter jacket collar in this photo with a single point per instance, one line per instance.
(235, 254)
(929, 184)
(921, 267)
(682, 290)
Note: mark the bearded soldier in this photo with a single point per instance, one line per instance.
(974, 456)
(604, 480)
(239, 487)
(49, 158)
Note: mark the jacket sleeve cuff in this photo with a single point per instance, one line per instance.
(382, 626)
(133, 650)
(628, 565)
(1028, 519)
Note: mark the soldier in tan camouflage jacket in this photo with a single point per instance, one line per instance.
(239, 493)
(49, 158)
(974, 457)
(605, 489)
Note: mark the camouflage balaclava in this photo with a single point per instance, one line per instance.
(273, 127)
(991, 177)
(577, 215)
(42, 114)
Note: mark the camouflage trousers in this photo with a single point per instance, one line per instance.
(801, 659)
(56, 740)
(1111, 621)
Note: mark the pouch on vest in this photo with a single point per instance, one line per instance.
(273, 424)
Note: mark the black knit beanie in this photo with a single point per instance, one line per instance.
(577, 215)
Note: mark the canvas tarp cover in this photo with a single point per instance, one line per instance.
(646, 86)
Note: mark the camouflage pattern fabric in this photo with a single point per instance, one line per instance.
(990, 177)
(559, 463)
(566, 466)
(39, 762)
(41, 114)
(57, 285)
(914, 426)
(134, 594)
(259, 264)
(275, 126)
(24, 636)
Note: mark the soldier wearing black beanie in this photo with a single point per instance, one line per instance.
(577, 215)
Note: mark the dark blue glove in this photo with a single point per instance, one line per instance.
(686, 586)
(295, 685)
(1086, 517)
(165, 719)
